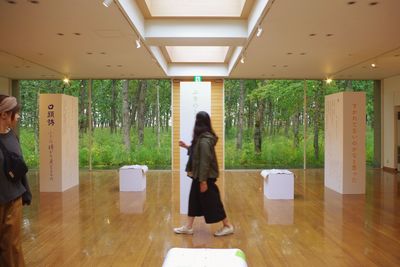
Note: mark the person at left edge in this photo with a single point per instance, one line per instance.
(13, 194)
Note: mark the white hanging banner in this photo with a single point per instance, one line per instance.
(194, 97)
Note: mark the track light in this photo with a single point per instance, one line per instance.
(242, 59)
(107, 3)
(138, 45)
(259, 31)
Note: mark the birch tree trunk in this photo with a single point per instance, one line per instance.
(258, 128)
(270, 116)
(319, 98)
(296, 125)
(158, 114)
(349, 85)
(239, 135)
(250, 117)
(82, 117)
(141, 110)
(113, 108)
(126, 122)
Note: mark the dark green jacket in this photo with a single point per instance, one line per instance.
(11, 190)
(202, 163)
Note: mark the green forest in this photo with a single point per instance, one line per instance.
(265, 121)
(130, 121)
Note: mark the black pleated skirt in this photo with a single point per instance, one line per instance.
(207, 204)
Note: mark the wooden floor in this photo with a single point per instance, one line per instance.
(94, 224)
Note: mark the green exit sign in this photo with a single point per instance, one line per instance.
(197, 78)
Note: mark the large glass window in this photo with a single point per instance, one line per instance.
(266, 122)
(130, 121)
(263, 124)
(29, 125)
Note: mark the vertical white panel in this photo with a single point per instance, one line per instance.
(50, 142)
(194, 97)
(58, 138)
(354, 125)
(334, 142)
(345, 126)
(70, 139)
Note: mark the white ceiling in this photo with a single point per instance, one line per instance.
(361, 34)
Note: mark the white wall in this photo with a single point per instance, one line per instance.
(5, 85)
(390, 99)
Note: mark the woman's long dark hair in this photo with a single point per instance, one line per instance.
(202, 125)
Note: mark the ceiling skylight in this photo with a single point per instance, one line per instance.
(197, 54)
(195, 8)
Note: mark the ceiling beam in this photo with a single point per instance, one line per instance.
(206, 70)
(214, 32)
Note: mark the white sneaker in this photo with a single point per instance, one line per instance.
(184, 230)
(226, 230)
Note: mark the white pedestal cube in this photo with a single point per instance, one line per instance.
(278, 184)
(199, 257)
(132, 178)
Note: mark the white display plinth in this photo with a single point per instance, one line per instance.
(132, 178)
(199, 257)
(345, 128)
(59, 140)
(278, 184)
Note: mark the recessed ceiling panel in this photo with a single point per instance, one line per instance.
(195, 8)
(195, 54)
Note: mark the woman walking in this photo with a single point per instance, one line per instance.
(202, 167)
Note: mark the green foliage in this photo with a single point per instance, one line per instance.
(27, 139)
(108, 150)
(278, 152)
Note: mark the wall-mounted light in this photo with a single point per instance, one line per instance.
(328, 81)
(138, 45)
(259, 31)
(66, 80)
(242, 59)
(107, 3)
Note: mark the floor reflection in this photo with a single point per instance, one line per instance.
(279, 211)
(94, 224)
(132, 202)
